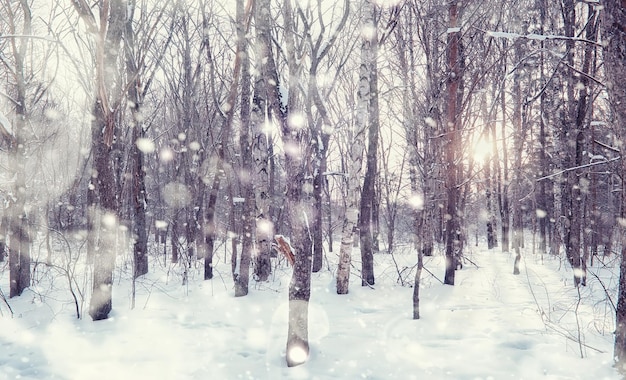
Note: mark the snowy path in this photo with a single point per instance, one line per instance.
(488, 326)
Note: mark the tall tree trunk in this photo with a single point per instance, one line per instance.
(300, 208)
(416, 283)
(453, 146)
(19, 240)
(494, 186)
(503, 177)
(241, 274)
(211, 203)
(541, 196)
(103, 194)
(370, 49)
(614, 24)
(260, 121)
(518, 148)
(354, 165)
(492, 236)
(321, 144)
(574, 135)
(139, 199)
(300, 211)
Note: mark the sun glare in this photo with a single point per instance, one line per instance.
(480, 151)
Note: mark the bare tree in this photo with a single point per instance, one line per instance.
(16, 219)
(224, 138)
(140, 73)
(241, 270)
(260, 122)
(103, 196)
(453, 233)
(318, 117)
(369, 51)
(614, 32)
(355, 160)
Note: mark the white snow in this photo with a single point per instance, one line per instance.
(4, 122)
(490, 325)
(496, 34)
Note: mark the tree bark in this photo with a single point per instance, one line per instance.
(354, 167)
(261, 139)
(370, 49)
(453, 146)
(19, 240)
(319, 178)
(211, 203)
(573, 133)
(103, 214)
(503, 178)
(518, 147)
(139, 198)
(241, 273)
(614, 24)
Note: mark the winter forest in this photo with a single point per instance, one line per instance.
(264, 189)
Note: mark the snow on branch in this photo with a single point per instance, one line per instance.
(536, 37)
(6, 138)
(4, 122)
(594, 163)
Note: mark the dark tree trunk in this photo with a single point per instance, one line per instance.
(17, 229)
(453, 238)
(492, 239)
(318, 187)
(368, 190)
(614, 24)
(3, 238)
(541, 196)
(376, 217)
(174, 230)
(329, 219)
(574, 136)
(104, 127)
(242, 272)
(211, 229)
(103, 215)
(519, 125)
(140, 234)
(503, 185)
(416, 284)
(139, 199)
(300, 286)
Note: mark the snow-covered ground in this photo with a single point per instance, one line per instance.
(491, 325)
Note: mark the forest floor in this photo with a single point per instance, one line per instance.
(490, 325)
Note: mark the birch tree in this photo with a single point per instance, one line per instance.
(355, 160)
(241, 269)
(260, 122)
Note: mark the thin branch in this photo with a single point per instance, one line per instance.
(579, 167)
(616, 150)
(584, 74)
